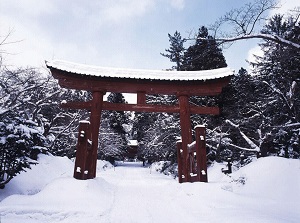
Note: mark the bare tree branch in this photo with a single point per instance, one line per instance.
(4, 40)
(244, 21)
(273, 38)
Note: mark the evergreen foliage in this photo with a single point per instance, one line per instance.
(113, 139)
(260, 113)
(279, 71)
(263, 109)
(204, 54)
(176, 50)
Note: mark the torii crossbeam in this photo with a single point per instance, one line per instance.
(100, 80)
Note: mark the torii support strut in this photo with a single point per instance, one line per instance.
(192, 163)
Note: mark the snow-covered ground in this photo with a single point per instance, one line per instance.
(267, 190)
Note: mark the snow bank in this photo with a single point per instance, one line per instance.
(48, 169)
(266, 190)
(35, 179)
(273, 178)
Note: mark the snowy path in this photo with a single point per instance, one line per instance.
(131, 193)
(141, 196)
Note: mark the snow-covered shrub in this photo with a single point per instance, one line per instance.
(31, 120)
(21, 141)
(166, 167)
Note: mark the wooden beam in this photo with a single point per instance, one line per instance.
(140, 107)
(143, 108)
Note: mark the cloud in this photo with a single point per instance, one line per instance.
(110, 33)
(27, 9)
(177, 4)
(255, 51)
(285, 6)
(122, 10)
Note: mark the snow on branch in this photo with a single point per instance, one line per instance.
(242, 148)
(292, 125)
(289, 103)
(249, 141)
(243, 23)
(273, 38)
(231, 123)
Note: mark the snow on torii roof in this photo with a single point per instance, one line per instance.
(109, 72)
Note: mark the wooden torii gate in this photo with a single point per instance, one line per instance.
(100, 80)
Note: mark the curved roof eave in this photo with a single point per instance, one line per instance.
(109, 72)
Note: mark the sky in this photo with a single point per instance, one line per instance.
(119, 33)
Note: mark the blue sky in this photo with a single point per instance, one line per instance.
(119, 33)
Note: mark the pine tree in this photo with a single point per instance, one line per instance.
(204, 54)
(176, 50)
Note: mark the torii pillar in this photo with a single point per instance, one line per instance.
(186, 131)
(96, 109)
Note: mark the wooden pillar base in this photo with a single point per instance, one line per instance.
(81, 168)
(201, 153)
(179, 161)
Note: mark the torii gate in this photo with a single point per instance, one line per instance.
(100, 80)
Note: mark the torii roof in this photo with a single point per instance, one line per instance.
(102, 79)
(109, 72)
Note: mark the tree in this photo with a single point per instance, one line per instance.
(279, 70)
(21, 133)
(160, 138)
(268, 112)
(242, 110)
(31, 120)
(61, 125)
(176, 50)
(157, 132)
(111, 144)
(113, 126)
(265, 119)
(204, 54)
(244, 23)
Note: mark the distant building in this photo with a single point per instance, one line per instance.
(132, 149)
